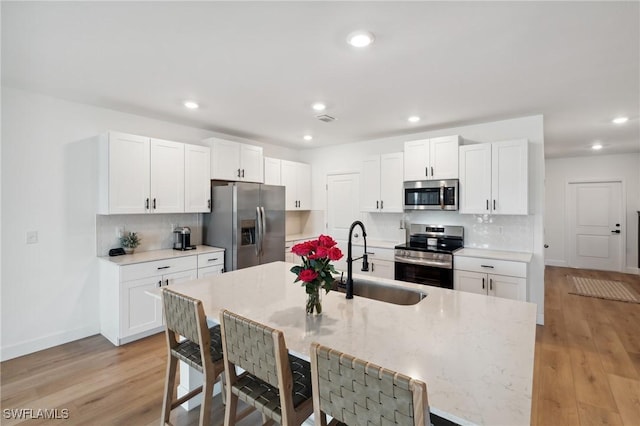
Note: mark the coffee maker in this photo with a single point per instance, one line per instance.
(182, 238)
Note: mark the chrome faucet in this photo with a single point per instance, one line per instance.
(365, 263)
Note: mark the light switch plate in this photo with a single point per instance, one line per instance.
(32, 237)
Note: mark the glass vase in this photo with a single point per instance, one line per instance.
(314, 301)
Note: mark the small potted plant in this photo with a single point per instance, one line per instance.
(130, 241)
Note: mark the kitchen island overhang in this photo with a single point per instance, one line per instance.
(474, 352)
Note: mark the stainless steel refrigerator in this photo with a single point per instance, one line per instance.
(247, 220)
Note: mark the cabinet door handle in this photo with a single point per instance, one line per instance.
(486, 266)
(381, 204)
(377, 204)
(242, 172)
(211, 260)
(154, 203)
(238, 172)
(494, 204)
(209, 204)
(146, 204)
(167, 282)
(372, 266)
(160, 283)
(426, 171)
(491, 284)
(431, 171)
(483, 283)
(487, 204)
(163, 267)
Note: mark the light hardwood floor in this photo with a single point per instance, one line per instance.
(587, 369)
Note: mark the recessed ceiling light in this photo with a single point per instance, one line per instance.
(307, 137)
(360, 38)
(596, 146)
(413, 119)
(318, 106)
(620, 120)
(191, 105)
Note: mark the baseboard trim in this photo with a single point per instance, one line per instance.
(46, 342)
(554, 262)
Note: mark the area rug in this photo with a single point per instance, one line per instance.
(603, 289)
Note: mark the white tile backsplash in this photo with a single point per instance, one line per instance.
(514, 233)
(154, 229)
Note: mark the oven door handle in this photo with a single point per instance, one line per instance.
(423, 262)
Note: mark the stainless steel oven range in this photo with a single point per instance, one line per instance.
(427, 257)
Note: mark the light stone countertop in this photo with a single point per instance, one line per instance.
(152, 255)
(474, 352)
(296, 237)
(495, 254)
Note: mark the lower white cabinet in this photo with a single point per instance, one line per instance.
(493, 277)
(210, 264)
(127, 312)
(381, 263)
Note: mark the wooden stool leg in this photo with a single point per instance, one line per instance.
(230, 409)
(169, 389)
(207, 395)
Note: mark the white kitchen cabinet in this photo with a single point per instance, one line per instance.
(431, 159)
(382, 179)
(494, 178)
(210, 264)
(296, 178)
(138, 174)
(124, 170)
(197, 182)
(127, 312)
(272, 171)
(167, 177)
(499, 278)
(381, 262)
(236, 161)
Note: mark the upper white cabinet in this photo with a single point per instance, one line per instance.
(296, 177)
(197, 184)
(431, 159)
(381, 188)
(236, 161)
(494, 178)
(167, 177)
(272, 171)
(140, 175)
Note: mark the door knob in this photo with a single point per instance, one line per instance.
(617, 231)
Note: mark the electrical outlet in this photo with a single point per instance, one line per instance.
(119, 231)
(173, 227)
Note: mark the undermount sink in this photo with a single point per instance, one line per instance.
(382, 292)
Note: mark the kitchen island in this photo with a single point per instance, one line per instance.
(475, 353)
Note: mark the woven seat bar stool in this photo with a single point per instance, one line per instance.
(359, 393)
(200, 349)
(274, 382)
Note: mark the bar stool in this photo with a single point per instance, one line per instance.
(360, 393)
(201, 349)
(274, 382)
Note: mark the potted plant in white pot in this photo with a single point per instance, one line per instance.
(130, 241)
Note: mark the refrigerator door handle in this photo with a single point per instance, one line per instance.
(263, 228)
(258, 241)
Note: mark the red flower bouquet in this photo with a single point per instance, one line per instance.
(316, 270)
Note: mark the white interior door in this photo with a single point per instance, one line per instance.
(343, 207)
(595, 228)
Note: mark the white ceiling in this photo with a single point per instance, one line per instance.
(256, 67)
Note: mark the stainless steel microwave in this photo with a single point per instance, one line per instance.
(431, 195)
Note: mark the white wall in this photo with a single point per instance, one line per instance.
(49, 289)
(519, 233)
(625, 167)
